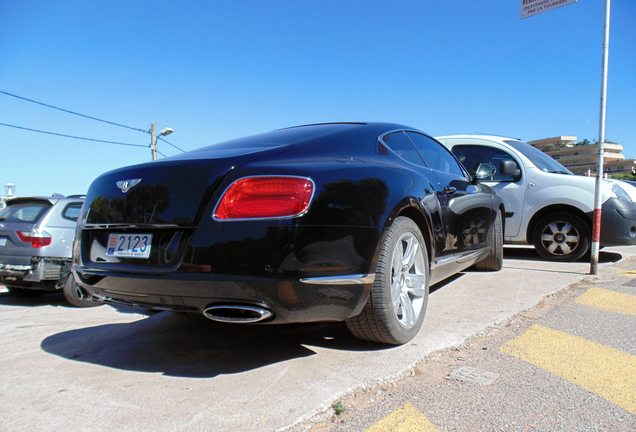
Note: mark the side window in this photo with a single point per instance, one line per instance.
(72, 211)
(402, 146)
(473, 155)
(436, 155)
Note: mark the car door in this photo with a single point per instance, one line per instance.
(511, 191)
(429, 191)
(466, 206)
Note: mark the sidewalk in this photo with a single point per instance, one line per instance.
(568, 363)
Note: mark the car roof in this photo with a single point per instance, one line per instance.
(496, 138)
(296, 136)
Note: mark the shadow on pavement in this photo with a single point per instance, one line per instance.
(442, 284)
(45, 299)
(529, 254)
(190, 346)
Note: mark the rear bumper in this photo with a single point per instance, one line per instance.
(307, 300)
(300, 274)
(14, 270)
(40, 269)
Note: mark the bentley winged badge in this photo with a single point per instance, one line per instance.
(126, 185)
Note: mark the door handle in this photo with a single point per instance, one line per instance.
(450, 190)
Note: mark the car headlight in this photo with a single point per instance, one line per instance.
(620, 193)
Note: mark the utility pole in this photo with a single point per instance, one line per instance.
(153, 143)
(598, 194)
(153, 137)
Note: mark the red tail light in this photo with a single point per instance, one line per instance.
(37, 238)
(265, 197)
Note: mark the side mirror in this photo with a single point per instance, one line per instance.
(510, 169)
(485, 171)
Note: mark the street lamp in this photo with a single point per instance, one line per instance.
(153, 143)
(10, 188)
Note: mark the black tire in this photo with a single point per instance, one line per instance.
(24, 292)
(398, 300)
(74, 296)
(562, 237)
(494, 260)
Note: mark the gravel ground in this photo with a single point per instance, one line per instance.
(524, 397)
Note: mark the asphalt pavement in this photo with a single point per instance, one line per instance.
(567, 364)
(103, 368)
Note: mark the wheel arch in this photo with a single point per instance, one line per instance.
(553, 209)
(502, 209)
(414, 213)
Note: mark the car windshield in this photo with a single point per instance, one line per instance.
(538, 158)
(23, 212)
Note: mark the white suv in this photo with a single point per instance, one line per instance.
(546, 205)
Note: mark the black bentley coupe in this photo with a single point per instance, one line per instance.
(327, 222)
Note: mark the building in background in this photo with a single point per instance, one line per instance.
(582, 159)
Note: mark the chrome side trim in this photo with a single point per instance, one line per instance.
(472, 256)
(459, 258)
(341, 280)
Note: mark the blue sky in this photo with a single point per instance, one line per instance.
(217, 70)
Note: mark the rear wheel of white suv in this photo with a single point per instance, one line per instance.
(561, 236)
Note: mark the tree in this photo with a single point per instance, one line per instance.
(624, 177)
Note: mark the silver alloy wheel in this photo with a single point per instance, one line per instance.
(560, 238)
(474, 232)
(408, 280)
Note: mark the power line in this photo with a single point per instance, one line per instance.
(171, 144)
(71, 136)
(85, 116)
(72, 112)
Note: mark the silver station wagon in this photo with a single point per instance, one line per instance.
(36, 244)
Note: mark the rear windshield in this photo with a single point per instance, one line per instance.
(24, 212)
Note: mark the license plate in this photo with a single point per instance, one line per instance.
(3, 241)
(129, 245)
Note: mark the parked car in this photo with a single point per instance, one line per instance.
(36, 242)
(331, 222)
(546, 205)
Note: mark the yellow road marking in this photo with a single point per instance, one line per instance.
(608, 372)
(405, 419)
(630, 273)
(609, 300)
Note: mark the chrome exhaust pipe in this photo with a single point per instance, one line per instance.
(81, 294)
(237, 314)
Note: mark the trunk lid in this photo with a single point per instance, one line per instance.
(158, 203)
(172, 191)
(20, 215)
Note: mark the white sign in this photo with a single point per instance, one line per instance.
(535, 7)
